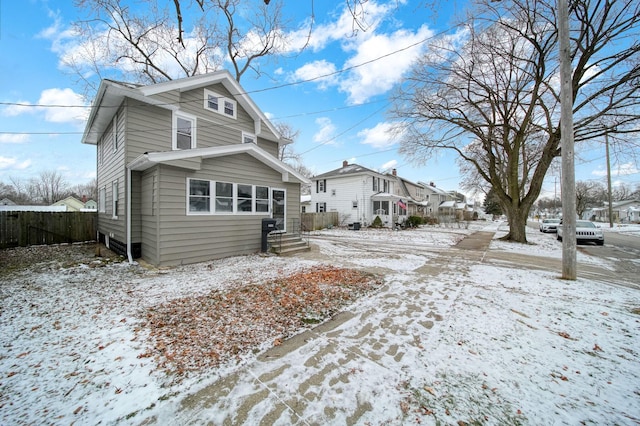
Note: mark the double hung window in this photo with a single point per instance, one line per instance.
(184, 131)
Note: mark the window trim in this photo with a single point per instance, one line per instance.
(102, 200)
(188, 209)
(221, 104)
(234, 199)
(115, 195)
(174, 129)
(321, 186)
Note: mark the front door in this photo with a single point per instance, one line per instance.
(278, 208)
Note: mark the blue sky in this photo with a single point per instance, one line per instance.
(341, 117)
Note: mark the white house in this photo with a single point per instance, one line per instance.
(358, 194)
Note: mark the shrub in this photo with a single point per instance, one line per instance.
(413, 221)
(377, 222)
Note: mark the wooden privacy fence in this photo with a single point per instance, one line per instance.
(23, 228)
(314, 221)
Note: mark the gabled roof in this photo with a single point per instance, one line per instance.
(349, 169)
(70, 201)
(150, 159)
(111, 94)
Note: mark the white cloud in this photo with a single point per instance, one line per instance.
(314, 71)
(63, 106)
(11, 163)
(57, 105)
(10, 138)
(109, 52)
(326, 132)
(382, 136)
(344, 28)
(622, 170)
(389, 165)
(379, 76)
(17, 108)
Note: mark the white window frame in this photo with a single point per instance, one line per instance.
(114, 199)
(249, 138)
(256, 199)
(222, 103)
(234, 199)
(211, 188)
(102, 200)
(174, 129)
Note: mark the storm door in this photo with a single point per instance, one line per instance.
(278, 208)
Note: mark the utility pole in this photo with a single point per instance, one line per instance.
(606, 140)
(569, 260)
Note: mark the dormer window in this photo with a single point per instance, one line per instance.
(220, 104)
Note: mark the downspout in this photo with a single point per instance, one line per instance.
(128, 214)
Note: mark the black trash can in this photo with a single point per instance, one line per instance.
(268, 225)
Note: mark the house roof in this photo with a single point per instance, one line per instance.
(349, 169)
(385, 196)
(150, 159)
(70, 201)
(111, 94)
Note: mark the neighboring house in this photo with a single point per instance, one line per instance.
(305, 203)
(625, 211)
(413, 194)
(7, 202)
(90, 205)
(358, 194)
(71, 203)
(187, 170)
(435, 197)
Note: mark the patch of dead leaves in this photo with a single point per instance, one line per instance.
(194, 333)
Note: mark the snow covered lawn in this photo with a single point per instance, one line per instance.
(444, 340)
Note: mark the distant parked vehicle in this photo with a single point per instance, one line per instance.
(549, 225)
(586, 232)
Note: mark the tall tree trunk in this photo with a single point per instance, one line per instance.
(517, 217)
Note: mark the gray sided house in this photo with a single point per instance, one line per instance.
(187, 170)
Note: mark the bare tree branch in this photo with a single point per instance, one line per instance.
(493, 98)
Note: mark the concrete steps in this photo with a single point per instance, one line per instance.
(284, 244)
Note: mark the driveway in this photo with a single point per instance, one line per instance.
(447, 339)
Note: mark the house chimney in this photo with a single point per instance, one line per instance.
(394, 172)
(84, 198)
(345, 163)
(432, 184)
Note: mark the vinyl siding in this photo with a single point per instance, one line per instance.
(111, 168)
(148, 129)
(347, 190)
(149, 215)
(195, 238)
(158, 210)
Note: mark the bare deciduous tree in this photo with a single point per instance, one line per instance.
(145, 44)
(491, 94)
(49, 187)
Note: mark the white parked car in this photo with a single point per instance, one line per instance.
(586, 232)
(549, 225)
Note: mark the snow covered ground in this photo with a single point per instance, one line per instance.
(446, 339)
